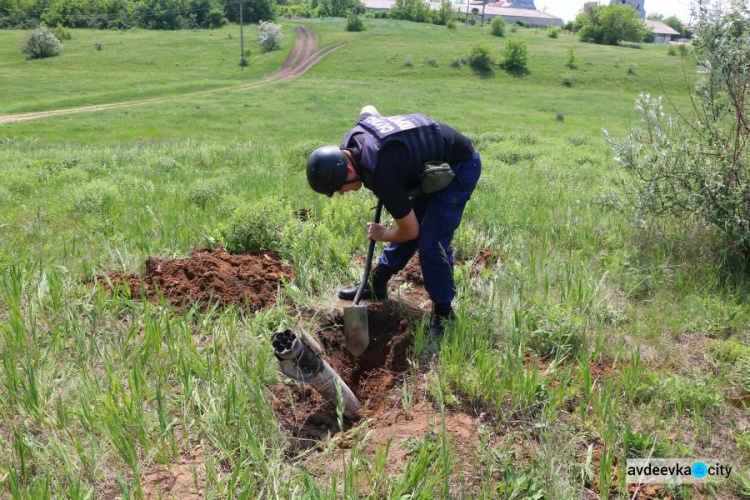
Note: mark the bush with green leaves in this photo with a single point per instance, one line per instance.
(695, 165)
(515, 55)
(269, 35)
(498, 26)
(255, 226)
(412, 10)
(41, 43)
(94, 197)
(206, 193)
(609, 25)
(62, 33)
(553, 32)
(479, 56)
(354, 22)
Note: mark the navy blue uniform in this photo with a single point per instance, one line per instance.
(390, 152)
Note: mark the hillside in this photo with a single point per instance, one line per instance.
(137, 356)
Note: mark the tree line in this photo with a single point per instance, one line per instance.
(124, 14)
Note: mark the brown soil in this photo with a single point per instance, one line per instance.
(209, 276)
(303, 57)
(184, 479)
(303, 413)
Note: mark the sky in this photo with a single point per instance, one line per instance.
(567, 10)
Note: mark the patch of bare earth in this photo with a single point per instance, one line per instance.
(207, 276)
(184, 480)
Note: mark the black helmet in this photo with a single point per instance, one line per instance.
(327, 170)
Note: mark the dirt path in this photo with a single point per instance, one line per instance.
(303, 57)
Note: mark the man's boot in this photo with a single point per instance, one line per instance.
(442, 317)
(377, 289)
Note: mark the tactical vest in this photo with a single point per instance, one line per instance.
(420, 134)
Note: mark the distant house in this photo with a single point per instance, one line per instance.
(531, 17)
(526, 15)
(662, 32)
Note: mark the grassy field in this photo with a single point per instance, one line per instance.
(586, 339)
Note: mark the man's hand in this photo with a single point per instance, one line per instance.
(376, 232)
(407, 228)
(369, 109)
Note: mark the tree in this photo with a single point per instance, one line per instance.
(257, 10)
(675, 23)
(695, 165)
(411, 10)
(609, 25)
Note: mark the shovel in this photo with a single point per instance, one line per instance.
(356, 327)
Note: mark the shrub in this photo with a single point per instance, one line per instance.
(41, 43)
(553, 32)
(479, 56)
(515, 55)
(570, 59)
(631, 68)
(62, 33)
(269, 36)
(205, 194)
(671, 51)
(567, 81)
(683, 49)
(450, 24)
(513, 28)
(498, 26)
(255, 226)
(95, 197)
(696, 166)
(354, 22)
(649, 37)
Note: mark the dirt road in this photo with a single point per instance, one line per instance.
(303, 57)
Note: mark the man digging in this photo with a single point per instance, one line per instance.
(423, 172)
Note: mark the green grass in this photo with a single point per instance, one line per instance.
(132, 65)
(370, 68)
(643, 339)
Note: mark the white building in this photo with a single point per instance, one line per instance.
(662, 32)
(636, 4)
(527, 15)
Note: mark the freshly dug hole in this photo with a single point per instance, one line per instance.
(305, 415)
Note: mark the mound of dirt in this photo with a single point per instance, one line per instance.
(209, 276)
(307, 417)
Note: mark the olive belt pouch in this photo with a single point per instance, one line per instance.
(436, 175)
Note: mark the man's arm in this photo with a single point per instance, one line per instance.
(370, 110)
(407, 229)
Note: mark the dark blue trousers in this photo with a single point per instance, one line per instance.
(439, 215)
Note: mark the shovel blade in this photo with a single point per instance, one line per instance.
(356, 329)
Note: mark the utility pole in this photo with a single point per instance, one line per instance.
(242, 38)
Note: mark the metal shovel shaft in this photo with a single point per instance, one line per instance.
(356, 327)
